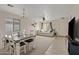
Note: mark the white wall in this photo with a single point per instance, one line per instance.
(2, 30)
(61, 26)
(75, 11)
(26, 24)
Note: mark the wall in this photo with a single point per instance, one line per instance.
(1, 30)
(61, 26)
(75, 11)
(25, 23)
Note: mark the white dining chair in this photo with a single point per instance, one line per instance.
(12, 47)
(29, 45)
(20, 48)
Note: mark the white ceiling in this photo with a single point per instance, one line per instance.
(37, 11)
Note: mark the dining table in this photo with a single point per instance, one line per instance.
(15, 41)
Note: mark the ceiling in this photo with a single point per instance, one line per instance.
(37, 11)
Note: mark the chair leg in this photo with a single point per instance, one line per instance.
(27, 48)
(10, 50)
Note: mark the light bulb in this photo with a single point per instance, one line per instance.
(6, 36)
(10, 36)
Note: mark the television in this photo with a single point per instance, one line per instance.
(71, 28)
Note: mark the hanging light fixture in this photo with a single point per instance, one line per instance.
(23, 16)
(23, 13)
(43, 18)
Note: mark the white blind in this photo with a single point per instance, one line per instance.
(12, 25)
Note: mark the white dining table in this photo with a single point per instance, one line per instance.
(17, 40)
(17, 43)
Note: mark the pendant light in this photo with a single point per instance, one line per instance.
(43, 18)
(23, 16)
(23, 13)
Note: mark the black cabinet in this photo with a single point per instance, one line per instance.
(73, 47)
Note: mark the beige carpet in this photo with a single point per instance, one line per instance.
(58, 47)
(4, 52)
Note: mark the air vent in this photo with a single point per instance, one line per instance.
(10, 5)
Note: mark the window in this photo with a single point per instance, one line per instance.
(16, 25)
(12, 25)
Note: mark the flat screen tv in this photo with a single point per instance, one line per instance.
(71, 28)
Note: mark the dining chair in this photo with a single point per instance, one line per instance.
(12, 47)
(22, 47)
(29, 43)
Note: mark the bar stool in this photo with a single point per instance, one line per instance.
(29, 45)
